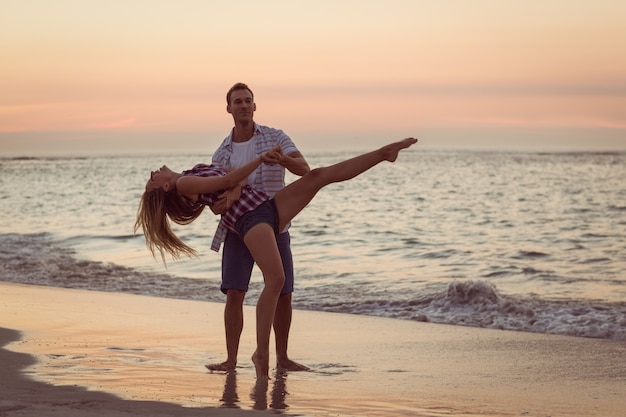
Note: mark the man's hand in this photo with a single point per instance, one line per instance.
(273, 156)
(219, 207)
(226, 200)
(294, 162)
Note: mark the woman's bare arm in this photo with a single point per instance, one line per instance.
(191, 186)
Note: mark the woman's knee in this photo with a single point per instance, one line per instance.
(316, 172)
(274, 283)
(317, 176)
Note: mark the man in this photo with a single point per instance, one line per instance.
(246, 141)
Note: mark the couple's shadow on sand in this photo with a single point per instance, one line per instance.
(24, 395)
(259, 393)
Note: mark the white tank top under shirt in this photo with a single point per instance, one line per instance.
(244, 152)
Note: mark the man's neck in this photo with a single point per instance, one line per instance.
(243, 132)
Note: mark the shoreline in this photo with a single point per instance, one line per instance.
(112, 354)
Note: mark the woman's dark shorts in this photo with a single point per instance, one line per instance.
(265, 213)
(237, 262)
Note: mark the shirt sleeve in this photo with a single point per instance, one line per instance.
(220, 157)
(286, 143)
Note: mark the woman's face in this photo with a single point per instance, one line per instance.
(162, 178)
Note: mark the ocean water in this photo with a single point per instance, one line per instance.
(509, 240)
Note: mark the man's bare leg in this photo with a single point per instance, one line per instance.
(282, 325)
(233, 324)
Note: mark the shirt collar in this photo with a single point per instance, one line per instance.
(229, 138)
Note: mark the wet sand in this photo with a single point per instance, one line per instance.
(80, 353)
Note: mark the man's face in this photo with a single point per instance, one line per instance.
(241, 106)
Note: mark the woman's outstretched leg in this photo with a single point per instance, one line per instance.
(296, 196)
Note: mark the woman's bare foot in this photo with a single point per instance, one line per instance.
(221, 367)
(259, 394)
(262, 365)
(292, 366)
(390, 152)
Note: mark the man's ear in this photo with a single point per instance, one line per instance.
(228, 108)
(253, 106)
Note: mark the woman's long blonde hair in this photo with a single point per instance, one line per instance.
(152, 216)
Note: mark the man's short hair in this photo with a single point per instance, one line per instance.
(238, 86)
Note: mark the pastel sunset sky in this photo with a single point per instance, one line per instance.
(115, 76)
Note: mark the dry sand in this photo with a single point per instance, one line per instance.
(84, 353)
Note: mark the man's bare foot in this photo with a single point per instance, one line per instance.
(221, 367)
(391, 151)
(289, 365)
(262, 365)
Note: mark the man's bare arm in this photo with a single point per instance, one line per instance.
(295, 163)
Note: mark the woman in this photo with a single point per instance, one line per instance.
(255, 217)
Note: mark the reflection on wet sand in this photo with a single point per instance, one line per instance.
(230, 398)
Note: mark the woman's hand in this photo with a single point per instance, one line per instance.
(273, 156)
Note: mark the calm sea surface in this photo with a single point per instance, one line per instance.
(523, 241)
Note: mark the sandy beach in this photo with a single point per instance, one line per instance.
(69, 352)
